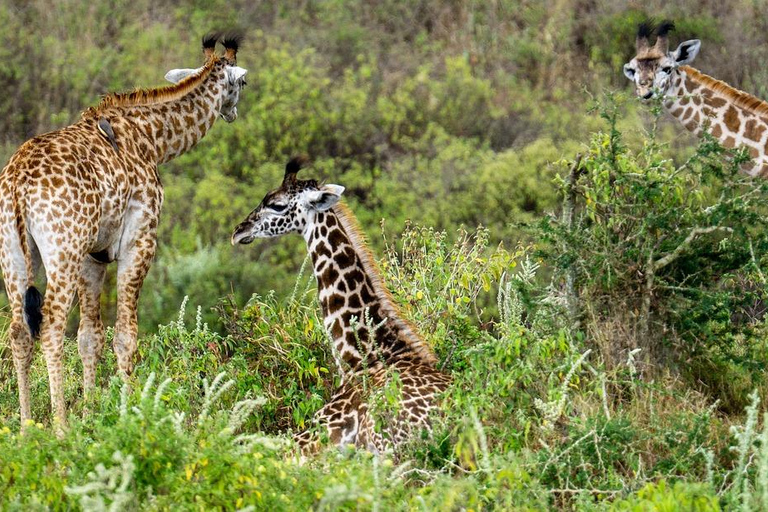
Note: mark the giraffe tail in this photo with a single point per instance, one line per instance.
(33, 310)
(33, 299)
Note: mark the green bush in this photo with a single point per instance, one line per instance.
(655, 252)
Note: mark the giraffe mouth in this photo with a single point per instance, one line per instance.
(242, 238)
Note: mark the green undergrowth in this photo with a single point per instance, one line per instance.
(532, 421)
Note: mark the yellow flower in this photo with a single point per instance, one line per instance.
(5, 430)
(29, 423)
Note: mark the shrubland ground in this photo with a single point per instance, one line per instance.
(612, 357)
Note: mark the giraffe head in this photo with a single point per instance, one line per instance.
(652, 67)
(289, 208)
(232, 76)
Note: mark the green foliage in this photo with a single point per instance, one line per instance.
(663, 497)
(670, 243)
(532, 420)
(437, 114)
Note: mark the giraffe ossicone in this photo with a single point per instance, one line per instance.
(88, 194)
(698, 101)
(372, 340)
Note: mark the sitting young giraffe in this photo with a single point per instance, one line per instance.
(699, 102)
(78, 198)
(351, 291)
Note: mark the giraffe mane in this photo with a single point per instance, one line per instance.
(158, 94)
(413, 338)
(739, 98)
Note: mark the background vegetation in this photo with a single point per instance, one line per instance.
(590, 370)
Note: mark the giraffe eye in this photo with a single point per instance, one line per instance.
(667, 69)
(277, 207)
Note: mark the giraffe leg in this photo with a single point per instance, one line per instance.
(90, 333)
(133, 265)
(59, 292)
(22, 344)
(16, 281)
(341, 417)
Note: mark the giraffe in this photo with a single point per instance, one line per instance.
(78, 198)
(700, 102)
(351, 290)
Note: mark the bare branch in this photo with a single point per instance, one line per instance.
(695, 233)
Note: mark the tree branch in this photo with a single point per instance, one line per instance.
(695, 233)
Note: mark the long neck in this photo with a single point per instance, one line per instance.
(360, 315)
(176, 126)
(734, 117)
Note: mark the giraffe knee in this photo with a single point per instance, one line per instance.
(22, 344)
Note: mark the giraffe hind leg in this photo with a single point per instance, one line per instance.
(16, 281)
(90, 333)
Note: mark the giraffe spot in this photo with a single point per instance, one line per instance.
(688, 113)
(716, 102)
(329, 277)
(336, 238)
(331, 222)
(729, 142)
(353, 278)
(322, 250)
(731, 119)
(354, 301)
(677, 112)
(717, 131)
(345, 258)
(690, 85)
(335, 302)
(336, 329)
(367, 295)
(754, 130)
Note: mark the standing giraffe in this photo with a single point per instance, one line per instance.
(78, 198)
(699, 102)
(372, 341)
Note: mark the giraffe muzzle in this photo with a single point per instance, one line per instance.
(241, 236)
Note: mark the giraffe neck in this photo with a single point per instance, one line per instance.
(354, 297)
(177, 125)
(734, 117)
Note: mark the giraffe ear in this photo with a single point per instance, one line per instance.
(323, 199)
(629, 71)
(236, 73)
(686, 52)
(177, 75)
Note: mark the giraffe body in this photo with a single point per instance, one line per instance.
(374, 346)
(71, 202)
(700, 102)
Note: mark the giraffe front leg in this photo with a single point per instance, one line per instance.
(132, 268)
(340, 418)
(90, 333)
